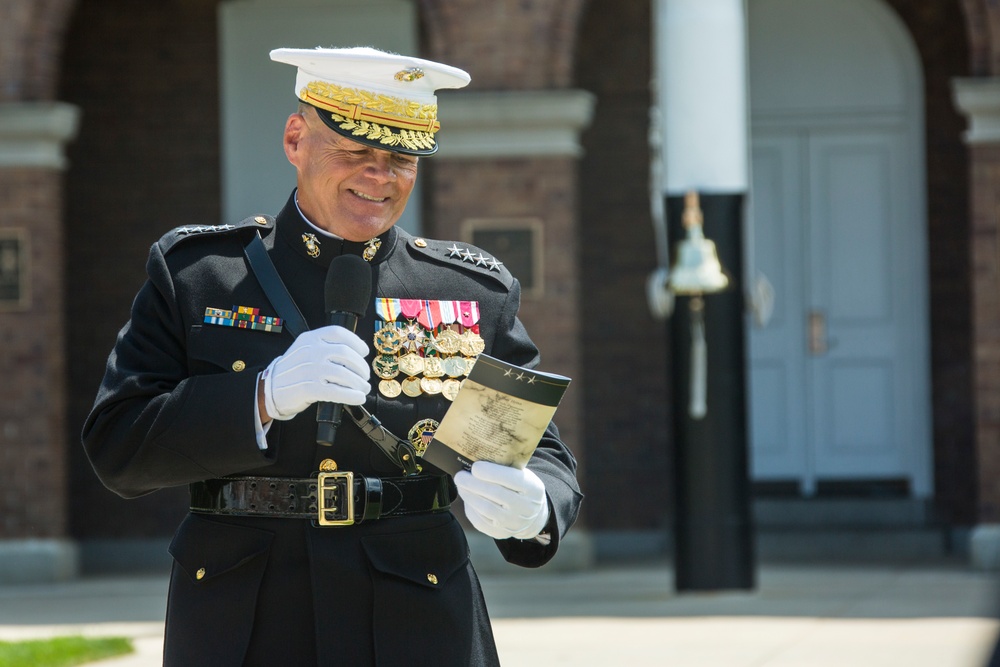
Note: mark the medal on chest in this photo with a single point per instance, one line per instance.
(425, 347)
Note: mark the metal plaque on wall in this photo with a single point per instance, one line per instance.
(14, 292)
(517, 242)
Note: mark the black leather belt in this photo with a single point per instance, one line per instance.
(330, 498)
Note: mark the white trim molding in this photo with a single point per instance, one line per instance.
(979, 100)
(535, 123)
(33, 134)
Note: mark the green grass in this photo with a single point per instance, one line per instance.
(61, 651)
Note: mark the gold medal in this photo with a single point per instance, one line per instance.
(431, 385)
(433, 368)
(411, 364)
(469, 363)
(449, 388)
(388, 340)
(447, 342)
(385, 366)
(421, 434)
(472, 343)
(390, 388)
(411, 387)
(454, 366)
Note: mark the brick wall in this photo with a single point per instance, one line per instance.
(626, 397)
(30, 42)
(32, 458)
(985, 236)
(522, 45)
(939, 31)
(146, 160)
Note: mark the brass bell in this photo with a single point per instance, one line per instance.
(696, 269)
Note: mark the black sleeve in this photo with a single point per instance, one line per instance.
(552, 461)
(153, 424)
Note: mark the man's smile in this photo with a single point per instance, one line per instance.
(362, 195)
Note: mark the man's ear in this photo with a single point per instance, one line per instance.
(295, 132)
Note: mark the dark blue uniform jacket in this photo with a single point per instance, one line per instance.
(173, 409)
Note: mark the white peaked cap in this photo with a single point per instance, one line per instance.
(374, 97)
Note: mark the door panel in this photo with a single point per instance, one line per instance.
(853, 220)
(850, 180)
(777, 359)
(860, 400)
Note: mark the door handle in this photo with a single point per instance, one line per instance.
(816, 332)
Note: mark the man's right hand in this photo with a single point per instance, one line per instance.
(323, 365)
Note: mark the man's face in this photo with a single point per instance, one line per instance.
(345, 187)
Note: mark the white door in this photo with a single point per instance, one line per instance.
(858, 352)
(836, 389)
(839, 378)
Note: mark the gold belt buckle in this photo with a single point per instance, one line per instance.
(340, 484)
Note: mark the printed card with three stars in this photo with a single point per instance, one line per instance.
(499, 415)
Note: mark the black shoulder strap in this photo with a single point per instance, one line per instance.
(275, 290)
(399, 451)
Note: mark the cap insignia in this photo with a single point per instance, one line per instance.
(410, 74)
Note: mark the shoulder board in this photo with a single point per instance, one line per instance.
(462, 256)
(177, 235)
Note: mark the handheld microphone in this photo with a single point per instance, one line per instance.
(347, 291)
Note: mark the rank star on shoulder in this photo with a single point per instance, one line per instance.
(454, 250)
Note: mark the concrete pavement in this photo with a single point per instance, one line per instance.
(929, 615)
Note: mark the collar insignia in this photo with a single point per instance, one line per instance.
(312, 244)
(371, 248)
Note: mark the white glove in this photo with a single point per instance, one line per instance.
(503, 502)
(323, 365)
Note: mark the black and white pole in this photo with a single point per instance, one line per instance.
(700, 65)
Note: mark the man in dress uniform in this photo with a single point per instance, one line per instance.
(296, 553)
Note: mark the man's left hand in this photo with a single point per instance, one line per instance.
(503, 502)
